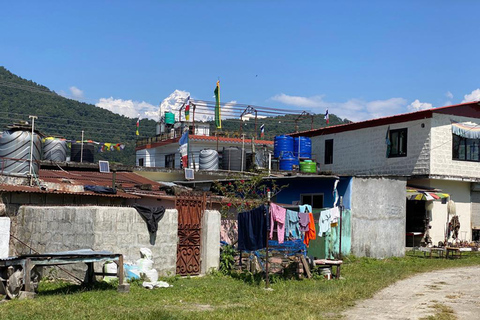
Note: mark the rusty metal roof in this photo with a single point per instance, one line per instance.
(28, 189)
(129, 185)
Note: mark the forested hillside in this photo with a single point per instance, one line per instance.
(66, 118)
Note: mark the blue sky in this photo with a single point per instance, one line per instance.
(359, 59)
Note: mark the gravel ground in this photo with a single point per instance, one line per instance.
(414, 297)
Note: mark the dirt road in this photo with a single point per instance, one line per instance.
(414, 298)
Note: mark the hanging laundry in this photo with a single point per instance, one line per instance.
(305, 208)
(311, 233)
(277, 214)
(324, 222)
(292, 225)
(335, 212)
(303, 221)
(252, 229)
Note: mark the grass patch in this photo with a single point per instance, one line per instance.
(442, 312)
(219, 296)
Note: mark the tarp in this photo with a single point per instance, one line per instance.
(425, 194)
(467, 130)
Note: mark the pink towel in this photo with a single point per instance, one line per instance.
(277, 214)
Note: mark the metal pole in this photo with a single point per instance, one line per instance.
(340, 244)
(31, 149)
(267, 279)
(81, 149)
(243, 151)
(269, 163)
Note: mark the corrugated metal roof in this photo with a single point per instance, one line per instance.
(28, 189)
(133, 186)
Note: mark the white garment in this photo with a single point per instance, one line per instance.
(324, 222)
(335, 211)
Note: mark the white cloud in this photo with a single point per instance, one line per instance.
(472, 96)
(353, 109)
(129, 108)
(76, 93)
(417, 106)
(449, 95)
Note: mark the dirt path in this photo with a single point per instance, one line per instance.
(414, 297)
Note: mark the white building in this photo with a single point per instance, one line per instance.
(162, 151)
(435, 148)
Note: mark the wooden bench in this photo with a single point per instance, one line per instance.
(330, 263)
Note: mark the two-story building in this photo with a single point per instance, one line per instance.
(432, 150)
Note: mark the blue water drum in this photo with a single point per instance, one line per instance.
(287, 161)
(302, 147)
(281, 145)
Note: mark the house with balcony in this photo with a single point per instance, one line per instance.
(433, 153)
(163, 150)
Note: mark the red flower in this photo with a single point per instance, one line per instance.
(229, 183)
(242, 181)
(229, 205)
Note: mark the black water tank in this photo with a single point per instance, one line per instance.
(232, 159)
(76, 154)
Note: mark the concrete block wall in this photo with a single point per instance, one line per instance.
(210, 241)
(148, 156)
(441, 149)
(117, 229)
(475, 196)
(378, 217)
(363, 151)
(4, 237)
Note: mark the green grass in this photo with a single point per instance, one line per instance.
(223, 297)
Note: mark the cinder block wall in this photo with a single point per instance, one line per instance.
(442, 162)
(363, 151)
(116, 229)
(378, 217)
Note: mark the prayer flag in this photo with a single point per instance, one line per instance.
(138, 125)
(184, 149)
(326, 117)
(187, 109)
(262, 130)
(218, 115)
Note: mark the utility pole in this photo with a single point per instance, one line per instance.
(81, 149)
(31, 149)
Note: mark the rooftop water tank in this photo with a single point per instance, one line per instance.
(78, 156)
(232, 159)
(282, 144)
(55, 150)
(169, 118)
(208, 159)
(15, 152)
(288, 161)
(308, 166)
(302, 147)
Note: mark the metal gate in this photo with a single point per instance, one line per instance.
(190, 209)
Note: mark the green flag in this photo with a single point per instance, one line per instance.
(218, 115)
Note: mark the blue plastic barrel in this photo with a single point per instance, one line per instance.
(302, 147)
(281, 145)
(287, 161)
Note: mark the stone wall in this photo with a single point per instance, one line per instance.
(378, 217)
(117, 229)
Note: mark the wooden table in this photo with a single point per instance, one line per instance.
(453, 252)
(330, 263)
